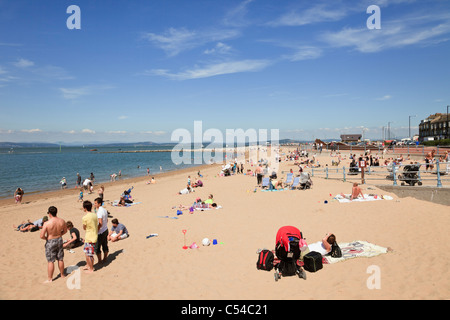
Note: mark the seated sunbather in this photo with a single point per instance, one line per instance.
(198, 183)
(277, 184)
(356, 192)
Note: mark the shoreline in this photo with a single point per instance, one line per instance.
(47, 194)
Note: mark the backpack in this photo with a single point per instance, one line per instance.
(335, 251)
(265, 260)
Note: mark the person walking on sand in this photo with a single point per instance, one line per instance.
(52, 232)
(78, 180)
(18, 195)
(259, 174)
(102, 238)
(90, 225)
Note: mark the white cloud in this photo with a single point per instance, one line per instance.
(31, 130)
(24, 63)
(174, 41)
(305, 53)
(155, 133)
(122, 117)
(318, 13)
(75, 93)
(386, 97)
(88, 131)
(236, 16)
(393, 34)
(220, 48)
(215, 69)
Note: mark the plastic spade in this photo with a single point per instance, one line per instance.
(184, 233)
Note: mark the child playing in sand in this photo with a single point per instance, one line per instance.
(80, 197)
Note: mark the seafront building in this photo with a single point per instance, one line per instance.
(435, 127)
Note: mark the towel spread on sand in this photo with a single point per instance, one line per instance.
(116, 204)
(267, 190)
(356, 249)
(367, 197)
(202, 209)
(349, 250)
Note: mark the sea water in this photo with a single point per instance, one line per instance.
(41, 169)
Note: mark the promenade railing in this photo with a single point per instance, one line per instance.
(436, 174)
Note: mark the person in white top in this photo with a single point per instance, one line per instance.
(102, 240)
(324, 246)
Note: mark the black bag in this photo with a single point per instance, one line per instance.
(335, 251)
(288, 268)
(312, 261)
(265, 260)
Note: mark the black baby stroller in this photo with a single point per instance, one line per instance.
(289, 240)
(410, 175)
(353, 170)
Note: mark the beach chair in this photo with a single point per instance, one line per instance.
(265, 183)
(295, 183)
(289, 178)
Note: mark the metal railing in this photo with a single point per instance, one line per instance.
(399, 149)
(438, 173)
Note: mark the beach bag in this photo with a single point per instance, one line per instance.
(312, 262)
(335, 251)
(288, 268)
(265, 260)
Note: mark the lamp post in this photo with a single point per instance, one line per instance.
(446, 126)
(410, 126)
(389, 129)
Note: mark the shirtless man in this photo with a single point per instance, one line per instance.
(356, 191)
(52, 233)
(259, 174)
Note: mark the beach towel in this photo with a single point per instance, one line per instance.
(116, 204)
(270, 190)
(350, 250)
(201, 209)
(356, 249)
(367, 197)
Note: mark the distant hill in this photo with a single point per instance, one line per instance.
(27, 145)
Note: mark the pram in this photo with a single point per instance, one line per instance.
(410, 175)
(353, 170)
(390, 168)
(289, 241)
(305, 180)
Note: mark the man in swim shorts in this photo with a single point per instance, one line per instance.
(52, 232)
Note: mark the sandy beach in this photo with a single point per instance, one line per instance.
(159, 268)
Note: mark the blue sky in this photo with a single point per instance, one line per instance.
(138, 70)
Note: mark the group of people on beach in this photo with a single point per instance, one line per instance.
(52, 228)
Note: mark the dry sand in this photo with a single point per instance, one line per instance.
(158, 267)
